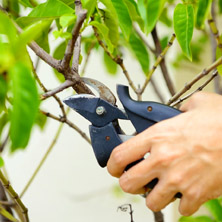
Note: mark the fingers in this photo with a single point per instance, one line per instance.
(160, 196)
(128, 152)
(136, 178)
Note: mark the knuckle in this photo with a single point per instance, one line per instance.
(117, 157)
(125, 185)
(175, 180)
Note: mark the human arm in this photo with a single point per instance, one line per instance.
(185, 155)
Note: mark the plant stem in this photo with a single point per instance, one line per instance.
(158, 61)
(14, 196)
(196, 79)
(69, 123)
(117, 60)
(163, 66)
(214, 75)
(43, 160)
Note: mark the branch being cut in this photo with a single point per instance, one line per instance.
(196, 79)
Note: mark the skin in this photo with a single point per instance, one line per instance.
(185, 154)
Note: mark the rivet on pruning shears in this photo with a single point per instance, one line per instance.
(100, 110)
(149, 108)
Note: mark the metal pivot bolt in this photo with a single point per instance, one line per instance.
(100, 110)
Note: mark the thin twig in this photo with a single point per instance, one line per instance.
(158, 61)
(58, 89)
(197, 90)
(196, 79)
(117, 59)
(157, 90)
(69, 123)
(215, 42)
(43, 160)
(124, 208)
(14, 196)
(76, 54)
(46, 90)
(163, 66)
(158, 216)
(81, 15)
(138, 32)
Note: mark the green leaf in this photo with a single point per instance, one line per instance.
(3, 91)
(7, 27)
(142, 9)
(202, 11)
(67, 20)
(26, 3)
(43, 39)
(32, 32)
(110, 65)
(215, 208)
(140, 52)
(3, 122)
(41, 120)
(183, 25)
(104, 32)
(1, 162)
(90, 6)
(196, 219)
(220, 6)
(164, 18)
(6, 57)
(7, 215)
(153, 11)
(112, 24)
(134, 13)
(125, 21)
(52, 8)
(25, 105)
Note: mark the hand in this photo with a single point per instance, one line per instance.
(185, 155)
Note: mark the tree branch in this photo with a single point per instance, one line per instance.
(58, 89)
(69, 123)
(117, 60)
(197, 78)
(81, 15)
(163, 67)
(14, 196)
(214, 75)
(158, 61)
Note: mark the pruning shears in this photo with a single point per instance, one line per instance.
(103, 114)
